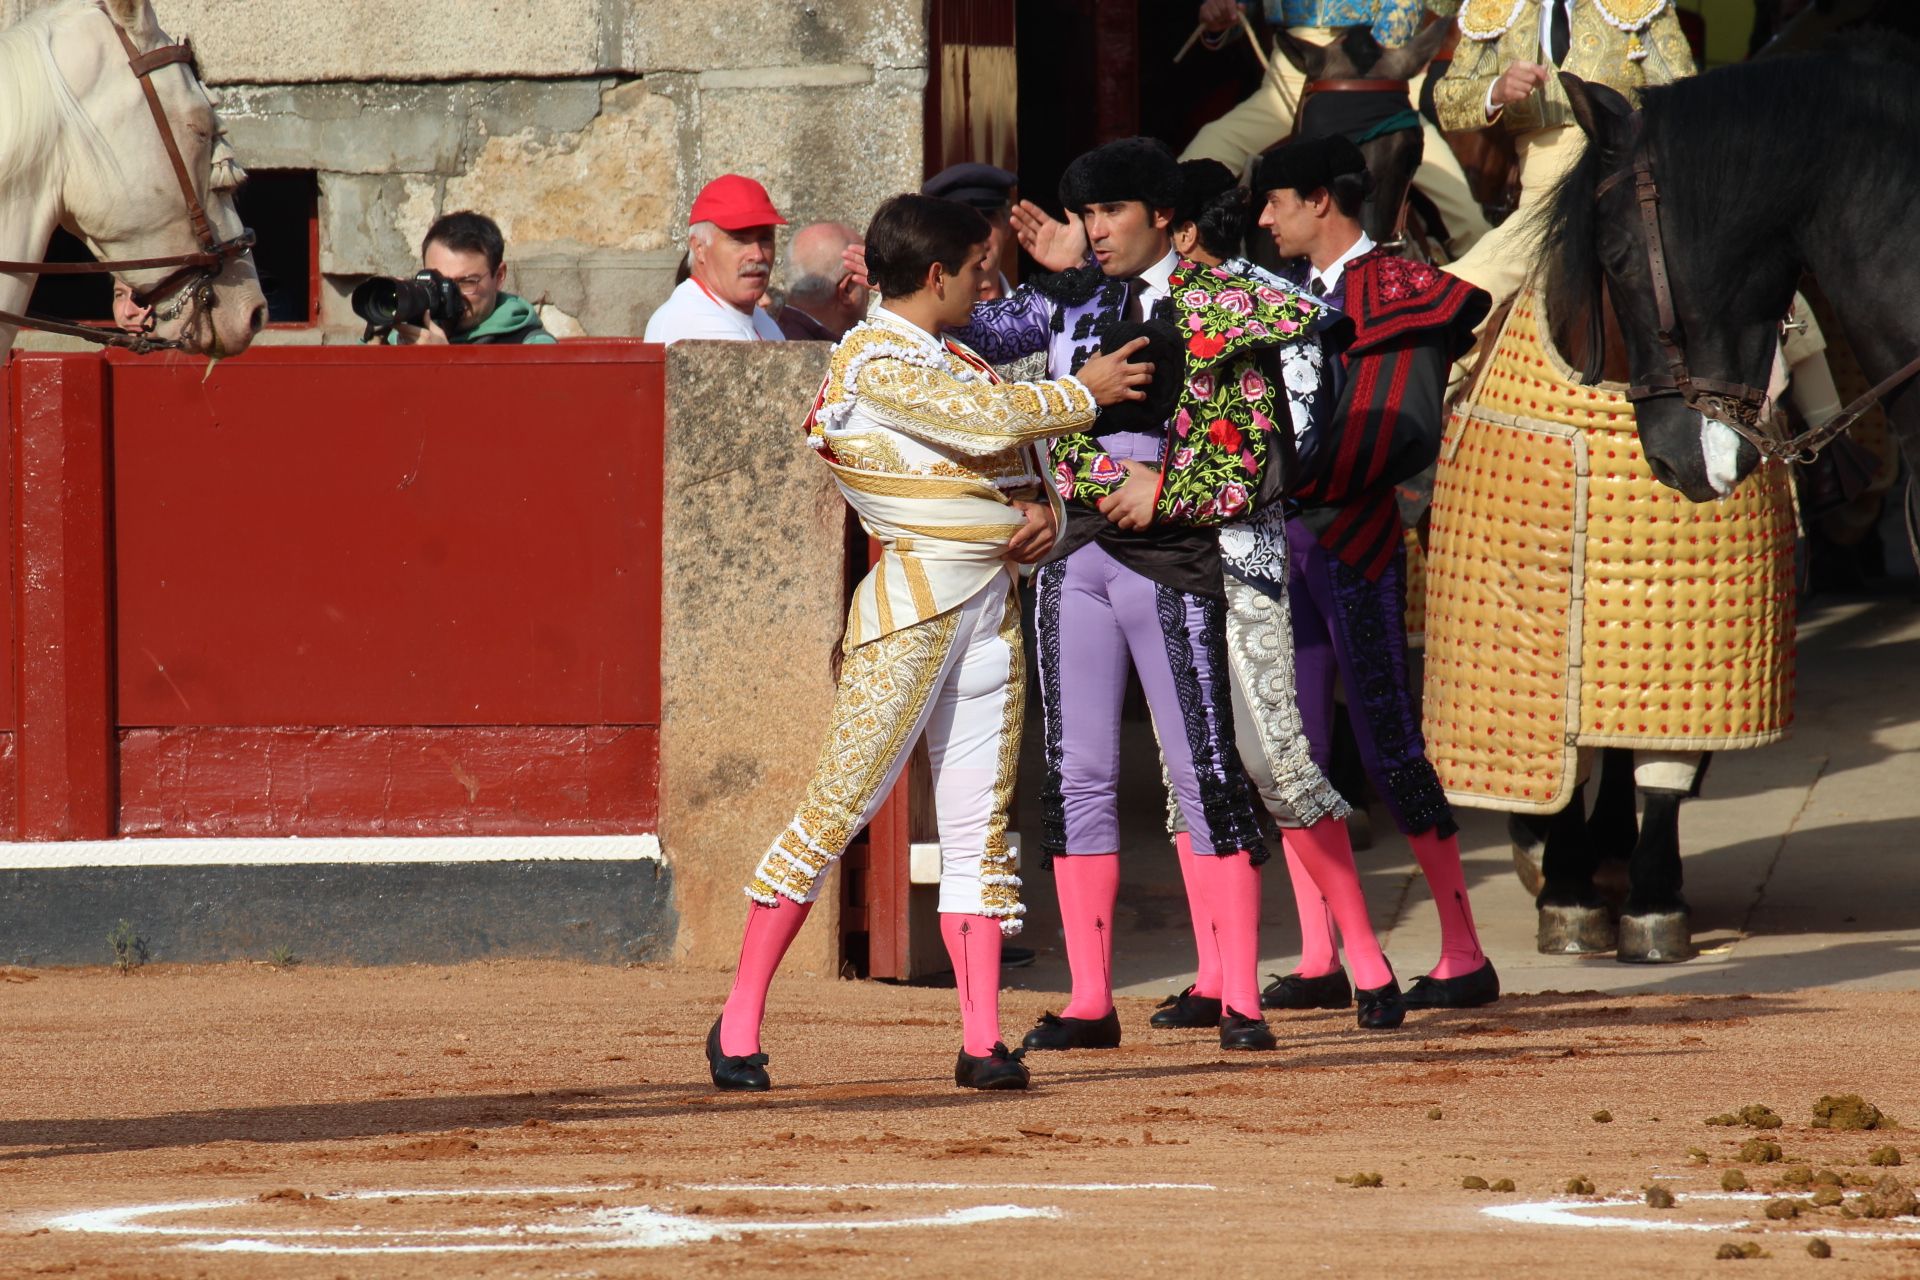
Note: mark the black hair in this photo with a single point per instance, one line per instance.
(1222, 222)
(1350, 192)
(468, 232)
(909, 233)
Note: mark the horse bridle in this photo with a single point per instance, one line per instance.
(193, 273)
(1746, 409)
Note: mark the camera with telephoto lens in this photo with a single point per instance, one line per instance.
(384, 302)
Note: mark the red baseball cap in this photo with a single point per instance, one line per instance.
(732, 203)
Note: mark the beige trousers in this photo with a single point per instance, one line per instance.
(1266, 116)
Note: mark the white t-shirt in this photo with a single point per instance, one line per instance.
(691, 312)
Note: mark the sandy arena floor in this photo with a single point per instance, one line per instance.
(523, 1119)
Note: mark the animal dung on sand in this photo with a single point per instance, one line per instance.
(1849, 1111)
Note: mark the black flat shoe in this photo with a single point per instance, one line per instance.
(1328, 991)
(1237, 1031)
(1053, 1032)
(1380, 1008)
(996, 1070)
(1468, 991)
(735, 1075)
(1186, 1010)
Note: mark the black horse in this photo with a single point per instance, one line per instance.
(1763, 171)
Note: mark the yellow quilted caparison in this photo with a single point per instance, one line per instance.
(1572, 600)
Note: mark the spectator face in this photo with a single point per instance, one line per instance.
(996, 252)
(1291, 221)
(1127, 237)
(735, 265)
(478, 284)
(126, 314)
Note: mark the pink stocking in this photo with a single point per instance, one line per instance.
(1318, 956)
(1232, 886)
(1205, 945)
(1439, 859)
(1324, 850)
(770, 931)
(1088, 884)
(973, 944)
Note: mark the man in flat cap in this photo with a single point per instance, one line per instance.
(730, 250)
(988, 188)
(1136, 579)
(1348, 557)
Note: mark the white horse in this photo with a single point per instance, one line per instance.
(79, 148)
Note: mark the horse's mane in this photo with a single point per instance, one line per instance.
(1760, 143)
(41, 123)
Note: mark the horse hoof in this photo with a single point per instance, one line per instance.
(1575, 931)
(1528, 850)
(1656, 938)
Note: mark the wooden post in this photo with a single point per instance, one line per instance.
(64, 680)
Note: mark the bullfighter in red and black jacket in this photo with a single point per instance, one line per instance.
(1346, 539)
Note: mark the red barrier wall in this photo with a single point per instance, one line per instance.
(335, 591)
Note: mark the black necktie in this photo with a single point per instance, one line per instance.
(1560, 36)
(1135, 312)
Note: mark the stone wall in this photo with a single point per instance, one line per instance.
(584, 126)
(750, 607)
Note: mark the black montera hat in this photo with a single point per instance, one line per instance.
(1307, 166)
(1130, 169)
(1201, 182)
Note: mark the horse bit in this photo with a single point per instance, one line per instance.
(190, 284)
(1745, 409)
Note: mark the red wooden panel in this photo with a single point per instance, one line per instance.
(9, 787)
(378, 536)
(9, 612)
(544, 780)
(65, 688)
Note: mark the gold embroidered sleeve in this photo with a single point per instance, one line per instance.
(1460, 96)
(975, 418)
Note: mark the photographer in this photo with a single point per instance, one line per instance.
(469, 251)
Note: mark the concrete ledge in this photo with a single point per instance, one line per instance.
(604, 911)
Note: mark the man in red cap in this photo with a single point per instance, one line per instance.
(730, 248)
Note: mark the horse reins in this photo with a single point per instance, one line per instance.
(1745, 409)
(193, 272)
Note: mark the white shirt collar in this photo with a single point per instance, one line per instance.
(1329, 277)
(1157, 278)
(894, 320)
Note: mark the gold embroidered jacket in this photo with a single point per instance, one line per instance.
(1623, 44)
(930, 447)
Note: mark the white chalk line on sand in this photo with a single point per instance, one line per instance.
(1579, 1213)
(623, 1227)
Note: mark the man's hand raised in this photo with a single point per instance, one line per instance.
(1057, 246)
(1114, 377)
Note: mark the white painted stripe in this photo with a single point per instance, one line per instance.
(838, 1187)
(1575, 1213)
(355, 851)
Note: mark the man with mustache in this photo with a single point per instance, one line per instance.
(730, 251)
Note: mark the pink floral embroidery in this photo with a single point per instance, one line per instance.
(1196, 298)
(1201, 386)
(1272, 297)
(1233, 499)
(1252, 385)
(1183, 423)
(1236, 301)
(1063, 480)
(1183, 456)
(1106, 471)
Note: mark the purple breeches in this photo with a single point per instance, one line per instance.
(1349, 627)
(1095, 618)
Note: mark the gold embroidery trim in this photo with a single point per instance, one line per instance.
(1489, 19)
(918, 486)
(918, 587)
(882, 606)
(963, 532)
(1630, 15)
